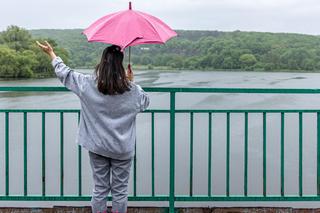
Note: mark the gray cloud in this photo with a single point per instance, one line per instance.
(299, 16)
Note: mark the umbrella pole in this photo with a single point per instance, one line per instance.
(129, 55)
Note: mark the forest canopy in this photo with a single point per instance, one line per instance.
(205, 50)
(20, 57)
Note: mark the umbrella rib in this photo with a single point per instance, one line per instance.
(146, 19)
(102, 24)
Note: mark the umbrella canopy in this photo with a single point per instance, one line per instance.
(129, 28)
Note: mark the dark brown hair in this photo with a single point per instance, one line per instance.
(111, 76)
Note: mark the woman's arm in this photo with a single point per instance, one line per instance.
(72, 80)
(143, 98)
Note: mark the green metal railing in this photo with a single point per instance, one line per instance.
(172, 197)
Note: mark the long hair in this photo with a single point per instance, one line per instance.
(111, 76)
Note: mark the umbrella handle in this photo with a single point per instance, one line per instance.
(130, 73)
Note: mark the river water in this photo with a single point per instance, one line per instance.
(219, 79)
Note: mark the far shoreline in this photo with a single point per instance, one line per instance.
(177, 70)
(167, 69)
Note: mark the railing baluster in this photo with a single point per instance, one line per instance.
(246, 154)
(25, 152)
(172, 151)
(152, 153)
(264, 154)
(79, 164)
(300, 152)
(282, 153)
(228, 156)
(135, 170)
(61, 153)
(191, 154)
(43, 154)
(7, 151)
(318, 153)
(209, 152)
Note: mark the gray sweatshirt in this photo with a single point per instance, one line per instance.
(107, 122)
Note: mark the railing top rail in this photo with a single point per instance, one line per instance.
(174, 89)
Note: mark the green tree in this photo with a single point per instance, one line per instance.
(26, 61)
(228, 63)
(13, 65)
(8, 62)
(20, 57)
(16, 38)
(247, 60)
(145, 60)
(176, 62)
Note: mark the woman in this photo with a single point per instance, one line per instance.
(110, 102)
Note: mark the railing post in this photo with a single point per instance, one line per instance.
(264, 153)
(300, 153)
(43, 155)
(152, 153)
(191, 155)
(318, 153)
(282, 154)
(209, 152)
(79, 164)
(245, 184)
(228, 154)
(7, 152)
(135, 170)
(25, 153)
(172, 151)
(61, 154)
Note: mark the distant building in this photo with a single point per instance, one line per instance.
(145, 48)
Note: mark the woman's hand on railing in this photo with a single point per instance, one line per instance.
(47, 49)
(130, 73)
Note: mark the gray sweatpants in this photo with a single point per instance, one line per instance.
(120, 170)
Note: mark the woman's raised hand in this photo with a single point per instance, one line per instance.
(47, 49)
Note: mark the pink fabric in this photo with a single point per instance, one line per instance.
(129, 28)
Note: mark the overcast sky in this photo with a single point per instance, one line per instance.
(299, 16)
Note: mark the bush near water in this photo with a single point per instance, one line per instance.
(20, 57)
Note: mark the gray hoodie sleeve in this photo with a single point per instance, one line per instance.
(71, 79)
(144, 99)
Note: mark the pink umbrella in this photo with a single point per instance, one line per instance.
(129, 28)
